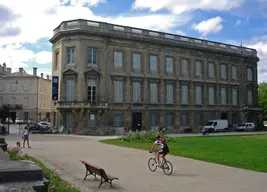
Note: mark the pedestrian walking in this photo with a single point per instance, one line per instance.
(25, 137)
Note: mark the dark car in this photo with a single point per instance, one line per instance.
(35, 127)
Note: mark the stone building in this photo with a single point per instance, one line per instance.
(28, 96)
(118, 76)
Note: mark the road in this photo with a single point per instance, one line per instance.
(130, 165)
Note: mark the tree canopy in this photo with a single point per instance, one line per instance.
(262, 94)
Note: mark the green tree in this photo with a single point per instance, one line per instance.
(262, 96)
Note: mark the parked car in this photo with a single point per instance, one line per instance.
(36, 127)
(215, 125)
(46, 123)
(3, 129)
(19, 121)
(9, 120)
(249, 126)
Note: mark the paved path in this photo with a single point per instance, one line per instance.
(130, 165)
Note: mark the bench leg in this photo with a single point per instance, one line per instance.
(105, 181)
(87, 173)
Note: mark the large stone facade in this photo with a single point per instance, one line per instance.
(107, 39)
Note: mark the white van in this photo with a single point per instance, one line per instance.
(215, 125)
(249, 126)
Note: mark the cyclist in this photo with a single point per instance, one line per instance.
(164, 149)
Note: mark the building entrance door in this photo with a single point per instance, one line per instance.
(136, 121)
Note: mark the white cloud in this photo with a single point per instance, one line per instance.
(260, 44)
(179, 32)
(39, 22)
(43, 57)
(238, 22)
(14, 56)
(181, 6)
(84, 2)
(212, 25)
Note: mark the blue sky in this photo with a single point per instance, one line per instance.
(25, 30)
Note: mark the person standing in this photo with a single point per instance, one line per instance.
(26, 137)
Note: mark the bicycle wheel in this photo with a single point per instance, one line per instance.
(167, 168)
(152, 164)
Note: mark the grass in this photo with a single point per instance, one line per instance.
(247, 152)
(56, 184)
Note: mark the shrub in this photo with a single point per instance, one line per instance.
(56, 184)
(144, 136)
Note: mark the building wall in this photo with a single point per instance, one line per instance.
(44, 98)
(24, 93)
(105, 58)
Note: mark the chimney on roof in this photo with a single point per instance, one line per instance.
(20, 70)
(42, 75)
(4, 68)
(47, 77)
(35, 71)
(8, 70)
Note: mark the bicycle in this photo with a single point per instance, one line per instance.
(167, 166)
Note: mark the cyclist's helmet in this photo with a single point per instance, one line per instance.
(157, 137)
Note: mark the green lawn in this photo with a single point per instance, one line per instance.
(247, 152)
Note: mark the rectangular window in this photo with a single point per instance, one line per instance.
(211, 96)
(198, 119)
(169, 64)
(211, 70)
(234, 96)
(249, 74)
(70, 55)
(92, 54)
(223, 71)
(118, 91)
(57, 59)
(169, 93)
(250, 97)
(70, 91)
(234, 72)
(198, 68)
(185, 94)
(92, 90)
(117, 59)
(136, 61)
(184, 119)
(153, 119)
(26, 86)
(169, 119)
(153, 92)
(185, 66)
(223, 96)
(153, 65)
(91, 120)
(136, 92)
(198, 95)
(13, 86)
(26, 101)
(117, 121)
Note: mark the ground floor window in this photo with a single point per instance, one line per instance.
(169, 119)
(91, 120)
(70, 120)
(184, 119)
(153, 119)
(117, 120)
(199, 119)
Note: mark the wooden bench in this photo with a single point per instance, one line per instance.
(94, 170)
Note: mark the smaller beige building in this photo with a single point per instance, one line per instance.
(28, 95)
